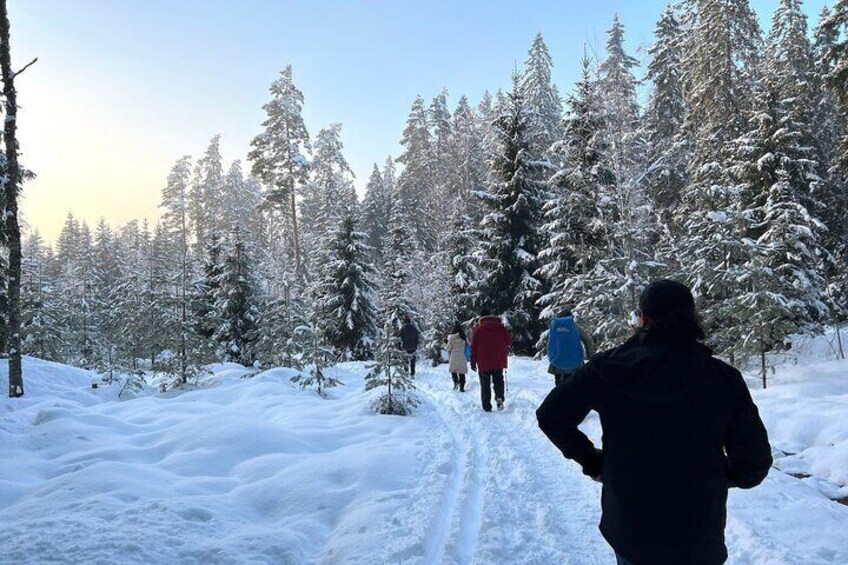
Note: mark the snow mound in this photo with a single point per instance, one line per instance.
(242, 470)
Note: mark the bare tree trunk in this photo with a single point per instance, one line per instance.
(13, 229)
(839, 341)
(319, 375)
(389, 377)
(183, 313)
(295, 235)
(763, 364)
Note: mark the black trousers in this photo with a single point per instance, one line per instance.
(487, 379)
(459, 380)
(412, 357)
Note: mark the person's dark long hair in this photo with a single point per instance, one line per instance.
(680, 324)
(457, 329)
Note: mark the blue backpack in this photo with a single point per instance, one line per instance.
(565, 350)
(467, 352)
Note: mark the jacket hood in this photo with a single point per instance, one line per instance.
(652, 369)
(491, 320)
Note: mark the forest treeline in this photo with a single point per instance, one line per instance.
(732, 177)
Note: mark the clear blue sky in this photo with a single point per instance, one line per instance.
(124, 87)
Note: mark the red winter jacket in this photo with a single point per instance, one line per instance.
(490, 345)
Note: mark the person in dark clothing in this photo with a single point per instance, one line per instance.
(409, 338)
(568, 346)
(489, 349)
(679, 429)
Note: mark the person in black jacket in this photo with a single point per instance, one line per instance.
(409, 338)
(679, 428)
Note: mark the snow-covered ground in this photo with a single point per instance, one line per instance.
(254, 470)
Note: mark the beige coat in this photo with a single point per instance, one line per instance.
(456, 349)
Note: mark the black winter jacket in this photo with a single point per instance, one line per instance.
(679, 428)
(409, 337)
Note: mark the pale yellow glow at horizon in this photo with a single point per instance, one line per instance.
(98, 150)
(90, 147)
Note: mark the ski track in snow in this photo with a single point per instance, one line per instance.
(507, 496)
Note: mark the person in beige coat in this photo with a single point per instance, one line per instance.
(455, 345)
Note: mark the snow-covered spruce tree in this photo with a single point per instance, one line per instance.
(832, 47)
(235, 305)
(510, 229)
(346, 293)
(279, 159)
(316, 356)
(663, 120)
(721, 63)
(39, 314)
(429, 295)
(414, 187)
(576, 236)
(463, 270)
(574, 232)
(329, 195)
(789, 77)
(106, 276)
(390, 372)
(163, 325)
(829, 122)
(84, 333)
(486, 118)
(146, 303)
(467, 170)
(780, 281)
(376, 208)
(205, 294)
(400, 248)
(722, 44)
(66, 284)
(282, 312)
(543, 103)
(204, 205)
(623, 204)
(175, 223)
(240, 198)
(441, 140)
(133, 295)
(836, 26)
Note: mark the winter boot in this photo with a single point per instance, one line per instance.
(500, 403)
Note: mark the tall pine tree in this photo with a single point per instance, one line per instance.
(510, 228)
(279, 156)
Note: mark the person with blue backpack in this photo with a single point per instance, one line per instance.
(568, 347)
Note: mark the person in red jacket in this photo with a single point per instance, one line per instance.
(489, 348)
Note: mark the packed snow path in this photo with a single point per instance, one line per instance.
(510, 497)
(506, 496)
(258, 471)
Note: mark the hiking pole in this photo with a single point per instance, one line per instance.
(506, 381)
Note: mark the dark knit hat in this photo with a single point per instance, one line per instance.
(665, 296)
